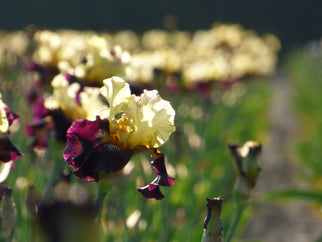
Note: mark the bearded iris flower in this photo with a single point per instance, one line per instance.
(128, 126)
(69, 101)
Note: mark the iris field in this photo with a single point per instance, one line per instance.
(218, 83)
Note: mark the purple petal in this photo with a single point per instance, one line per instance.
(12, 117)
(88, 176)
(73, 149)
(204, 88)
(8, 151)
(77, 98)
(166, 181)
(163, 179)
(151, 191)
(40, 143)
(71, 78)
(88, 153)
(160, 169)
(28, 129)
(33, 66)
(38, 110)
(86, 130)
(44, 71)
(31, 96)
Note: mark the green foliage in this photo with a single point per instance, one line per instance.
(198, 151)
(296, 194)
(306, 74)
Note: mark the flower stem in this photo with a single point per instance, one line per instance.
(213, 231)
(99, 202)
(57, 169)
(238, 214)
(105, 183)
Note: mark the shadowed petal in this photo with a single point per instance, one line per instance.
(151, 191)
(8, 151)
(74, 148)
(160, 169)
(163, 179)
(87, 153)
(81, 138)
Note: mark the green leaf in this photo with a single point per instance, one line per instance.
(315, 196)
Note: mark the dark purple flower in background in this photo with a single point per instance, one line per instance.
(45, 72)
(45, 121)
(42, 124)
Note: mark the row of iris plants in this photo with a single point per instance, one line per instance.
(122, 137)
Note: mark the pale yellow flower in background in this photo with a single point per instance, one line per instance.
(13, 46)
(102, 61)
(227, 34)
(145, 120)
(64, 97)
(48, 45)
(169, 60)
(242, 64)
(127, 39)
(155, 39)
(60, 49)
(4, 123)
(141, 68)
(215, 68)
(91, 103)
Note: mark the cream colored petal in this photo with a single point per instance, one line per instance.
(51, 103)
(154, 121)
(160, 117)
(4, 124)
(64, 97)
(115, 90)
(5, 170)
(146, 120)
(92, 104)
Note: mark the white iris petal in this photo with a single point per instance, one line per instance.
(147, 120)
(4, 124)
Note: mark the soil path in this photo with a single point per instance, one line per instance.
(289, 221)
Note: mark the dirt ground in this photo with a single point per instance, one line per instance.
(288, 221)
